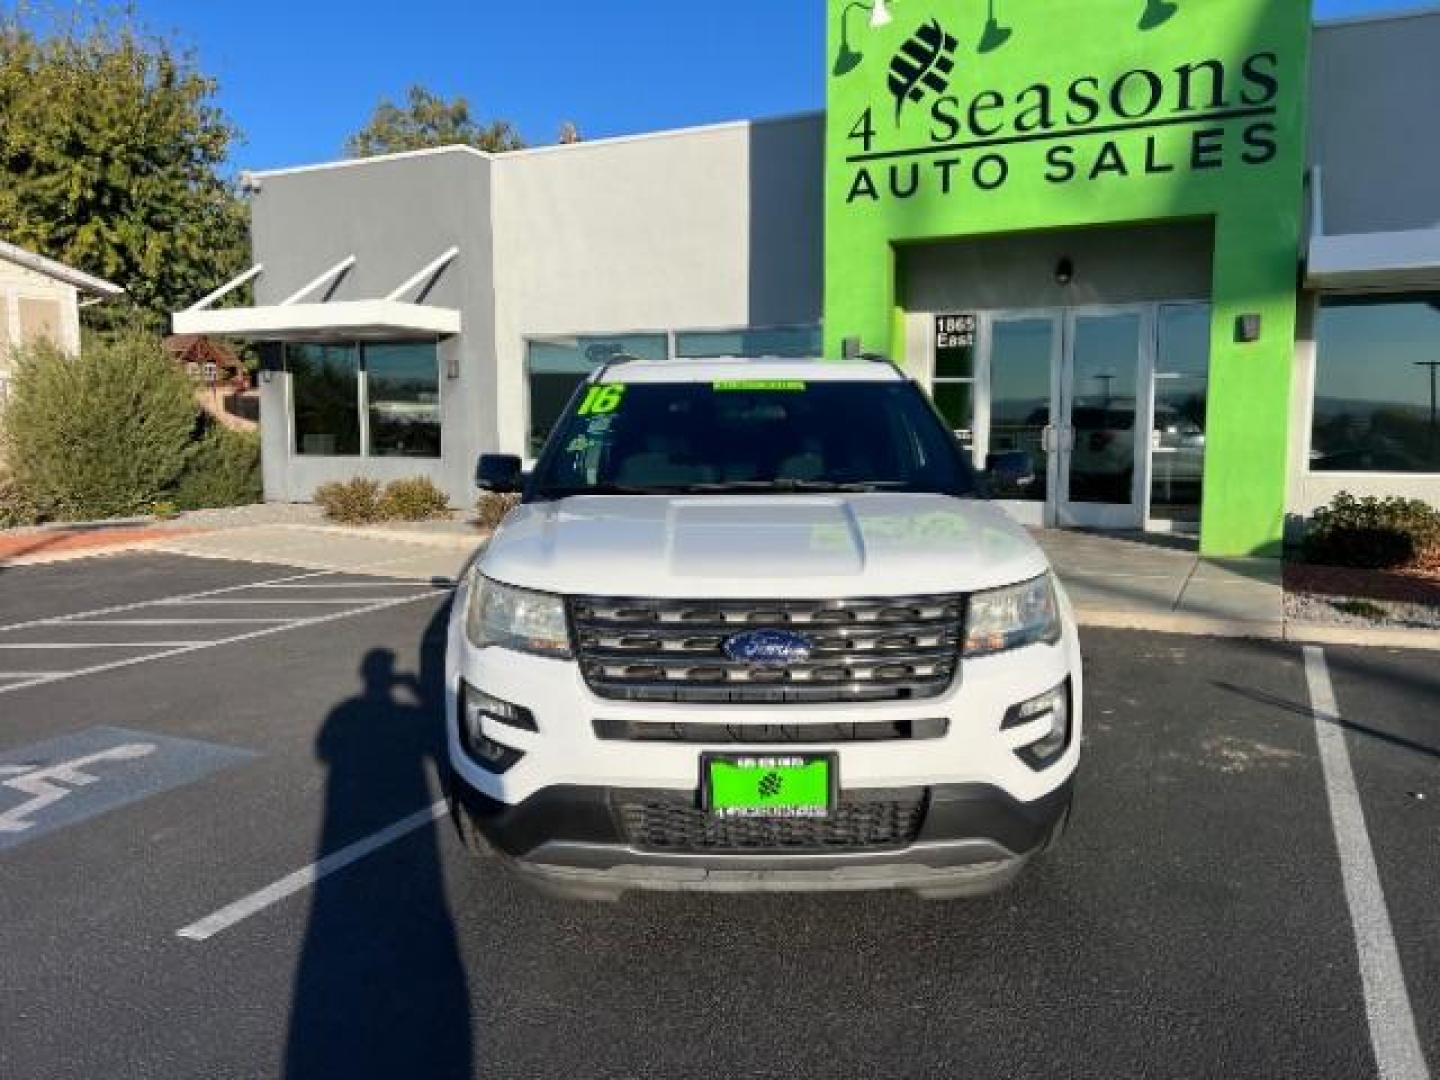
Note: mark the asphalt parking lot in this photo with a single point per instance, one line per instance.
(1248, 889)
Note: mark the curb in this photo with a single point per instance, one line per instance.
(95, 552)
(376, 570)
(1262, 630)
(1177, 623)
(1367, 637)
(399, 536)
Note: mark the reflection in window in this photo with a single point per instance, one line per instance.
(1377, 375)
(325, 388)
(557, 366)
(1177, 443)
(403, 388)
(800, 342)
(1021, 351)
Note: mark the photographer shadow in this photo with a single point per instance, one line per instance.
(381, 987)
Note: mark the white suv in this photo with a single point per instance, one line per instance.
(753, 628)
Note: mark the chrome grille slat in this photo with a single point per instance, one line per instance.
(890, 648)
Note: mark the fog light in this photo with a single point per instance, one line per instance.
(475, 708)
(502, 712)
(1054, 706)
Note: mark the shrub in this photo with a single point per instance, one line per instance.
(103, 434)
(224, 471)
(164, 511)
(16, 506)
(417, 499)
(490, 511)
(1373, 533)
(355, 502)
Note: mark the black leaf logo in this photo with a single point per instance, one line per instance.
(924, 63)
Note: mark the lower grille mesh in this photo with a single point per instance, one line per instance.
(677, 825)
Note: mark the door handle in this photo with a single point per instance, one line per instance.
(1047, 439)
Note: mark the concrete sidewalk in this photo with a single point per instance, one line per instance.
(1150, 582)
(424, 554)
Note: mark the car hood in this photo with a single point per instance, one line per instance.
(761, 547)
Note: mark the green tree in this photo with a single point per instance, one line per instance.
(111, 148)
(427, 120)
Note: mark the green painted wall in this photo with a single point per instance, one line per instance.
(1068, 113)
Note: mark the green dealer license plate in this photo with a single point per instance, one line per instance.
(780, 786)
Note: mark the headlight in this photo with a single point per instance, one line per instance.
(518, 619)
(1008, 618)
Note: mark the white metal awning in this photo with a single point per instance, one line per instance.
(1408, 259)
(390, 318)
(1388, 260)
(345, 319)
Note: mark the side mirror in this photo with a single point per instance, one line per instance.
(499, 473)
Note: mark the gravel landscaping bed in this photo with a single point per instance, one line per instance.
(1373, 599)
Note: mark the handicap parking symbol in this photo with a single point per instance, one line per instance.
(66, 780)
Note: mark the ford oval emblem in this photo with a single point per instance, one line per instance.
(769, 648)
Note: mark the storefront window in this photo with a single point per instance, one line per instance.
(558, 365)
(1177, 441)
(953, 387)
(801, 342)
(1377, 385)
(325, 394)
(403, 388)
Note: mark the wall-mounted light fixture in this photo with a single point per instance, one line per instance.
(1065, 270)
(1247, 328)
(1157, 12)
(849, 57)
(995, 35)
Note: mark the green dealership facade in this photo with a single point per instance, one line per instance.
(1164, 265)
(944, 124)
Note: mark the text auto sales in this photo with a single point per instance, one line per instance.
(971, 141)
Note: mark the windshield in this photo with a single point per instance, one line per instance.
(726, 437)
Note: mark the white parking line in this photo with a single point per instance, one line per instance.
(377, 584)
(183, 622)
(97, 644)
(306, 876)
(137, 605)
(246, 602)
(236, 639)
(1387, 1003)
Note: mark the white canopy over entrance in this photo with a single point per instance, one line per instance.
(391, 318)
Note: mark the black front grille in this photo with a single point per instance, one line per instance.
(888, 649)
(862, 821)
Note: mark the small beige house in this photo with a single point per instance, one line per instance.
(40, 299)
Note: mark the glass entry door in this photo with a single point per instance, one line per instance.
(1020, 383)
(1103, 381)
(1062, 404)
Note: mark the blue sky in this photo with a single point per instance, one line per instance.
(297, 76)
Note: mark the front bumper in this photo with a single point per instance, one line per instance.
(972, 838)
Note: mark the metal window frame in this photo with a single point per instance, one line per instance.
(1063, 321)
(362, 399)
